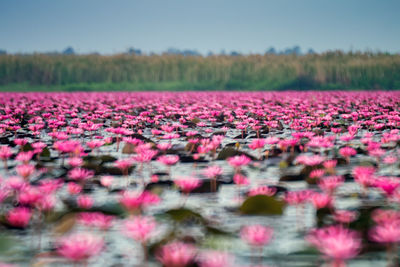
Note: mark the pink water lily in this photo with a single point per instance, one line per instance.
(25, 170)
(215, 259)
(345, 216)
(80, 246)
(337, 243)
(176, 254)
(387, 184)
(256, 235)
(61, 154)
(187, 184)
(19, 217)
(239, 161)
(84, 201)
(168, 159)
(80, 174)
(140, 228)
(132, 200)
(240, 179)
(96, 219)
(263, 190)
(321, 200)
(330, 183)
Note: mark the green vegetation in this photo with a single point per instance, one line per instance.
(331, 70)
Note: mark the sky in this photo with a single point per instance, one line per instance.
(245, 26)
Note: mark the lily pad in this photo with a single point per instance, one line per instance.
(216, 231)
(27, 147)
(111, 208)
(228, 152)
(206, 187)
(107, 158)
(262, 205)
(322, 216)
(66, 224)
(292, 178)
(184, 215)
(45, 153)
(159, 184)
(128, 149)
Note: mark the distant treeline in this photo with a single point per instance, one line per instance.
(330, 70)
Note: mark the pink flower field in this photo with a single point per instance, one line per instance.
(207, 179)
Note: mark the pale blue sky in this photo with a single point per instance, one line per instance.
(247, 26)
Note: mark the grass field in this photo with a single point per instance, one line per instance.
(331, 70)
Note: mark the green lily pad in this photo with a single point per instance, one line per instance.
(216, 231)
(27, 147)
(262, 205)
(99, 159)
(322, 215)
(111, 208)
(107, 158)
(183, 214)
(228, 152)
(311, 251)
(45, 153)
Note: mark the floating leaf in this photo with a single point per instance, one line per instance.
(55, 216)
(196, 120)
(308, 256)
(27, 147)
(97, 168)
(228, 152)
(66, 224)
(107, 158)
(159, 185)
(128, 149)
(291, 178)
(367, 163)
(116, 171)
(216, 231)
(206, 187)
(307, 251)
(45, 153)
(99, 159)
(141, 137)
(191, 147)
(262, 205)
(322, 215)
(110, 208)
(364, 221)
(92, 159)
(183, 214)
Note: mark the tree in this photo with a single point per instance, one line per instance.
(134, 51)
(311, 51)
(69, 51)
(271, 50)
(234, 53)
